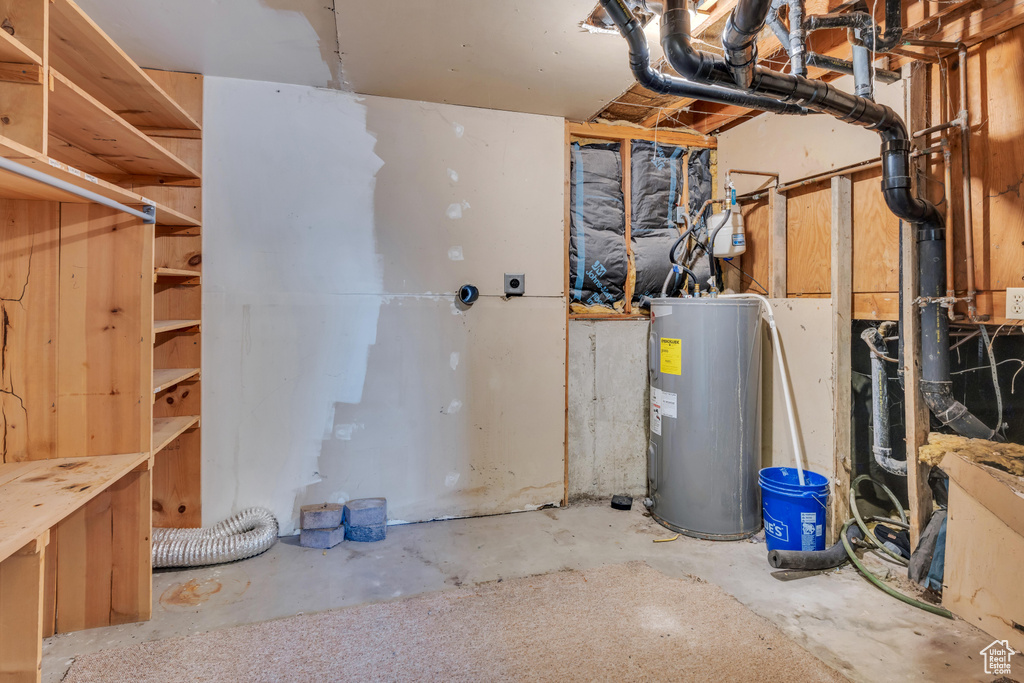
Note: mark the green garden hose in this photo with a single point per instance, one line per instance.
(884, 586)
(864, 527)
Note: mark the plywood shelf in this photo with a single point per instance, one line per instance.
(36, 495)
(167, 429)
(175, 272)
(165, 378)
(84, 53)
(160, 326)
(14, 51)
(102, 142)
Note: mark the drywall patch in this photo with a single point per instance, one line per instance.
(455, 253)
(451, 480)
(453, 407)
(275, 288)
(454, 211)
(453, 360)
(453, 176)
(344, 432)
(459, 129)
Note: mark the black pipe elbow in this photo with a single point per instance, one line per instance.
(812, 560)
(640, 64)
(675, 43)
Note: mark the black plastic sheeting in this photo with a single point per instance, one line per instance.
(699, 174)
(656, 173)
(598, 262)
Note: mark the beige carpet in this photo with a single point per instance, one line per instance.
(617, 623)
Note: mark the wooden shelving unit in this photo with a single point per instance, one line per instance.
(83, 52)
(12, 51)
(99, 141)
(161, 326)
(102, 317)
(167, 429)
(178, 273)
(165, 378)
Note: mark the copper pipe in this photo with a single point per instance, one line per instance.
(942, 126)
(810, 180)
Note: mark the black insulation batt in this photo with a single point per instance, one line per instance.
(597, 240)
(657, 177)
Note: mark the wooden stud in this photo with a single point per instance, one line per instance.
(567, 293)
(777, 268)
(21, 73)
(131, 596)
(626, 157)
(22, 605)
(842, 307)
(916, 412)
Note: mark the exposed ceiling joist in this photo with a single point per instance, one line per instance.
(970, 21)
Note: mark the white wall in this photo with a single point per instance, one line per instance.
(337, 229)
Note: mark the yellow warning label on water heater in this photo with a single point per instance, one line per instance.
(671, 356)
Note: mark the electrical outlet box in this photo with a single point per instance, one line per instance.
(515, 284)
(1015, 303)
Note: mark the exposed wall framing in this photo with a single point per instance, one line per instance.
(623, 135)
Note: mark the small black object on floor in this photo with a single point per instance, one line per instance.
(622, 502)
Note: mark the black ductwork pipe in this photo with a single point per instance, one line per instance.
(738, 40)
(640, 63)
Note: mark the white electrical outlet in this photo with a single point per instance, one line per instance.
(1015, 303)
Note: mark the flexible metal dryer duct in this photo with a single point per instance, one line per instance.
(738, 70)
(250, 532)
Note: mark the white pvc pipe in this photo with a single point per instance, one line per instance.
(786, 389)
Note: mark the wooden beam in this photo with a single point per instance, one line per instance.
(605, 131)
(626, 156)
(567, 294)
(916, 416)
(842, 308)
(777, 244)
(22, 578)
(21, 73)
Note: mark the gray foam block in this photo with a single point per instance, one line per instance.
(366, 534)
(323, 516)
(321, 538)
(366, 512)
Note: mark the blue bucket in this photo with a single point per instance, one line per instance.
(794, 514)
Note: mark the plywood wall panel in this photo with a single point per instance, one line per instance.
(756, 261)
(176, 483)
(105, 339)
(808, 240)
(876, 234)
(29, 267)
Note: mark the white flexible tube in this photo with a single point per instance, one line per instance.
(787, 390)
(248, 533)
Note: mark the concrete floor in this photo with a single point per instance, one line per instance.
(837, 616)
